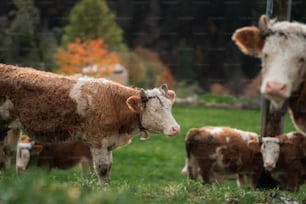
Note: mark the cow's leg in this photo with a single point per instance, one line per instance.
(192, 168)
(102, 161)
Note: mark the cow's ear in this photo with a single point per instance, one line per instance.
(249, 40)
(135, 104)
(37, 149)
(254, 145)
(171, 94)
(263, 24)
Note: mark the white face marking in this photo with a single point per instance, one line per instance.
(270, 150)
(157, 116)
(5, 109)
(284, 60)
(83, 102)
(23, 155)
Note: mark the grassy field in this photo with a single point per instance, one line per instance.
(145, 172)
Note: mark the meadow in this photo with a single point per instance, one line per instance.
(146, 171)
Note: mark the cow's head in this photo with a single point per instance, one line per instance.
(25, 147)
(270, 150)
(281, 46)
(154, 106)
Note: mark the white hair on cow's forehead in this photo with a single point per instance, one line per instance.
(270, 139)
(285, 26)
(155, 92)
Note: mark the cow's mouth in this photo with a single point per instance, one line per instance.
(276, 100)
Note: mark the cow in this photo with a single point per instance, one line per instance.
(105, 114)
(281, 46)
(8, 148)
(284, 156)
(215, 152)
(63, 155)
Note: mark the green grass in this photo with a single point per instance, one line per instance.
(145, 171)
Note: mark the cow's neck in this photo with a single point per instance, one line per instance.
(297, 106)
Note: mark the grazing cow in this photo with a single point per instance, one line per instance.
(8, 148)
(284, 156)
(61, 155)
(281, 46)
(214, 152)
(105, 114)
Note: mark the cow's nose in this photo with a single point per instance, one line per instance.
(175, 129)
(268, 165)
(275, 88)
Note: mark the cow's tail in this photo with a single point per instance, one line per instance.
(190, 140)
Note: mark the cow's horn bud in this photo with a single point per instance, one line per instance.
(143, 96)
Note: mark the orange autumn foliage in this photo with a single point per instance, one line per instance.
(82, 53)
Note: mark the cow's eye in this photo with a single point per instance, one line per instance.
(265, 55)
(154, 109)
(301, 60)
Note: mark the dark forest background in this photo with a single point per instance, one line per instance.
(192, 37)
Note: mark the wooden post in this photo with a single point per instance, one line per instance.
(272, 120)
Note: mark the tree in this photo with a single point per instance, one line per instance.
(92, 19)
(22, 40)
(82, 53)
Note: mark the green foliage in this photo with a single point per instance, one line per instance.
(145, 172)
(226, 99)
(22, 42)
(92, 19)
(25, 42)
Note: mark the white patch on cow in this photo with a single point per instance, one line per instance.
(216, 131)
(5, 109)
(15, 124)
(246, 136)
(83, 101)
(218, 157)
(283, 59)
(291, 135)
(227, 139)
(103, 80)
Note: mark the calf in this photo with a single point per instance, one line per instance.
(285, 157)
(62, 155)
(221, 151)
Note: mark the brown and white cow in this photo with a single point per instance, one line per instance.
(281, 46)
(105, 114)
(214, 152)
(63, 155)
(284, 156)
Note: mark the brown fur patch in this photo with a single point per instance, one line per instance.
(63, 155)
(249, 40)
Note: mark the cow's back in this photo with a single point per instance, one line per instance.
(31, 94)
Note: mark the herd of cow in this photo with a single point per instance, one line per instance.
(72, 121)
